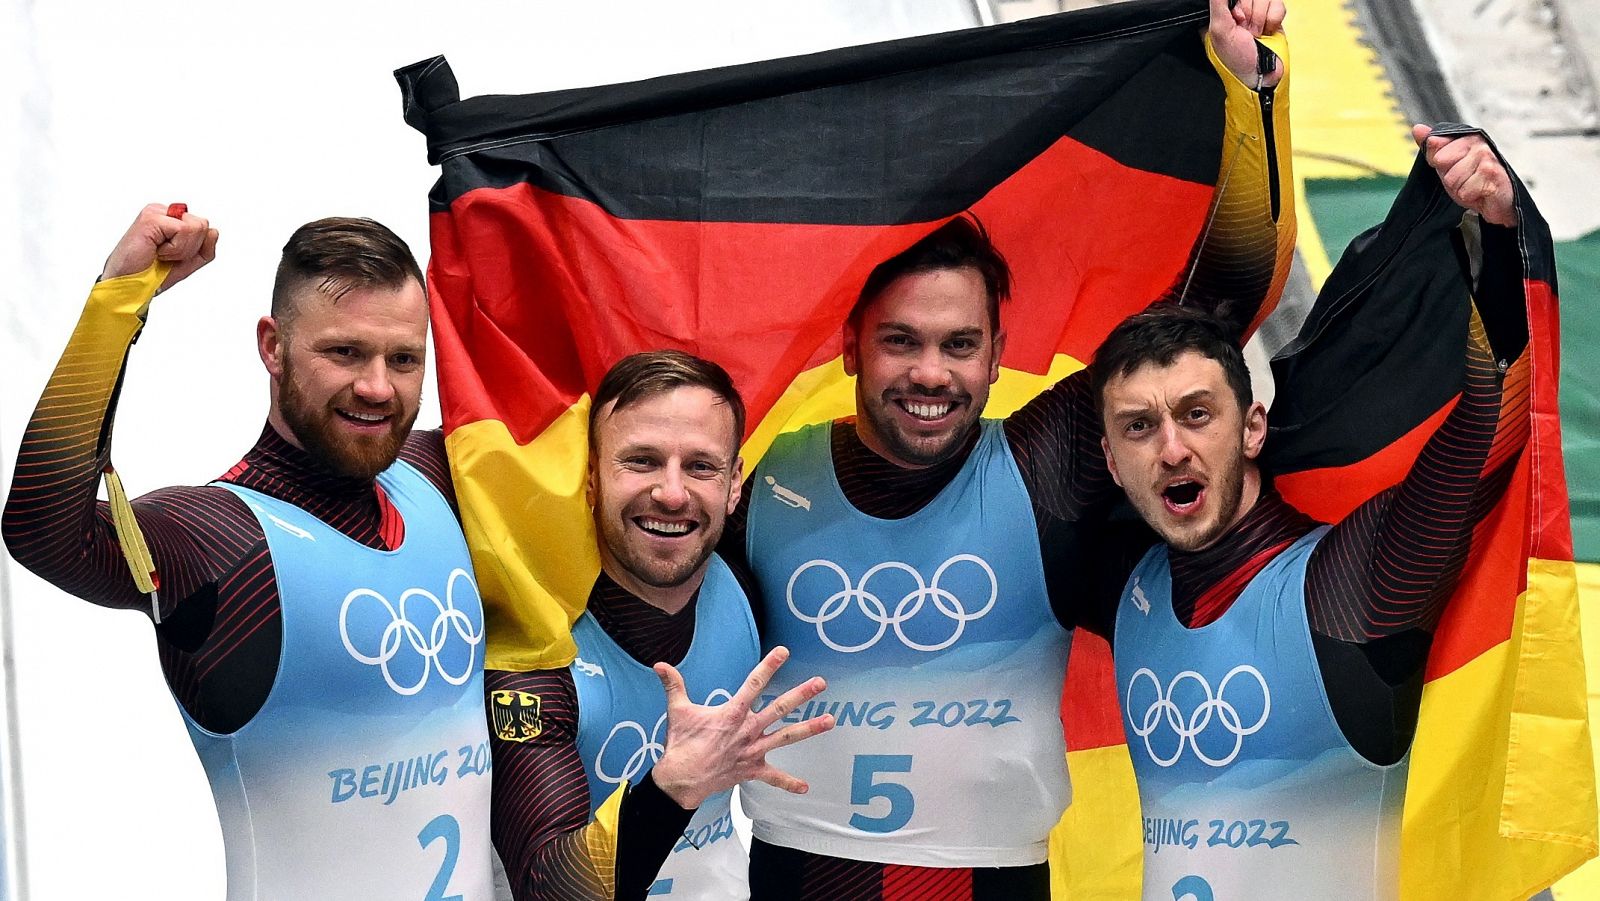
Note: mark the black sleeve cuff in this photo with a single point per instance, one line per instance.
(1501, 294)
(648, 826)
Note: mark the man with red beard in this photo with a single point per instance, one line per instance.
(1271, 666)
(316, 614)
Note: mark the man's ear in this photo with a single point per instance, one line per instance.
(999, 351)
(738, 484)
(270, 344)
(589, 493)
(1255, 430)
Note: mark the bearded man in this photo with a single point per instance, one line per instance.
(317, 617)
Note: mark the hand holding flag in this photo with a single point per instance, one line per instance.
(1234, 27)
(1472, 174)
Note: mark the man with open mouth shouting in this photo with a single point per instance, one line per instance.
(1270, 667)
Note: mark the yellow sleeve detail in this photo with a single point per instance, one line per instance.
(128, 295)
(1253, 223)
(93, 360)
(1245, 149)
(111, 318)
(601, 837)
(1277, 43)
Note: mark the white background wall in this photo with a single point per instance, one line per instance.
(261, 117)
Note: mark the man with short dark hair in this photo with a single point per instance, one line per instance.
(930, 562)
(316, 614)
(605, 787)
(1271, 666)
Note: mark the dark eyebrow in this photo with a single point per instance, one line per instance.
(717, 460)
(636, 447)
(1121, 416)
(337, 340)
(973, 331)
(644, 447)
(1196, 396)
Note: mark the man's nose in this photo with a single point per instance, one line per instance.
(1174, 451)
(373, 384)
(670, 491)
(930, 370)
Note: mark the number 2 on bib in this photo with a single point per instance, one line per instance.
(866, 788)
(443, 826)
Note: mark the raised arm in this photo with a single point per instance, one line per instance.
(1389, 567)
(52, 522)
(1240, 259)
(1242, 256)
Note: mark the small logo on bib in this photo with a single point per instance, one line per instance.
(786, 496)
(592, 670)
(516, 715)
(1139, 600)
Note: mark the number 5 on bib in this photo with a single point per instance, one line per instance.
(865, 789)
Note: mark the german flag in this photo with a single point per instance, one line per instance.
(735, 214)
(1501, 797)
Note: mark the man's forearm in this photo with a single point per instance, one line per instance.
(1244, 251)
(52, 522)
(550, 844)
(1392, 564)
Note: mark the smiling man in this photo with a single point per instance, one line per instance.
(931, 563)
(317, 618)
(605, 786)
(1271, 666)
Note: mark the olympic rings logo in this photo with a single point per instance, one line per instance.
(650, 745)
(447, 619)
(873, 608)
(1163, 711)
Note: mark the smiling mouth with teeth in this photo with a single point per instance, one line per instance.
(663, 528)
(926, 410)
(361, 417)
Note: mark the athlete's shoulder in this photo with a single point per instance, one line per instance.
(727, 576)
(203, 511)
(191, 496)
(424, 449)
(537, 707)
(796, 441)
